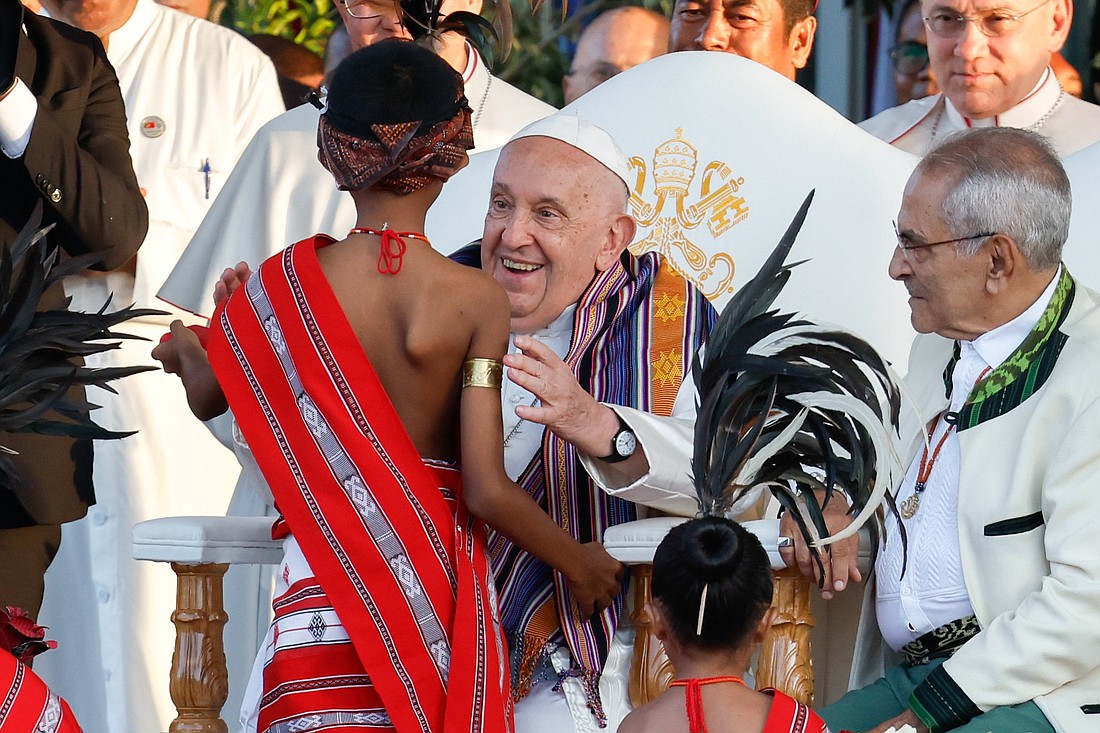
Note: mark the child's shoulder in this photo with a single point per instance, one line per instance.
(664, 714)
(473, 285)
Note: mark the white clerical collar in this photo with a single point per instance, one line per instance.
(563, 324)
(125, 38)
(997, 345)
(1032, 110)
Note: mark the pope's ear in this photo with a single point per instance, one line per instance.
(620, 234)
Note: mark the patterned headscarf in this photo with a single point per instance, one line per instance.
(397, 159)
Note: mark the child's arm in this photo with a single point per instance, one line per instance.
(184, 355)
(593, 575)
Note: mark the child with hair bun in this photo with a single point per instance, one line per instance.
(712, 594)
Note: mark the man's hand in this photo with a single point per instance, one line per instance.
(565, 407)
(11, 30)
(231, 279)
(840, 559)
(596, 580)
(907, 718)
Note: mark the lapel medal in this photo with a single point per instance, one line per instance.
(152, 126)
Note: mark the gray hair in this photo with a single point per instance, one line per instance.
(1007, 181)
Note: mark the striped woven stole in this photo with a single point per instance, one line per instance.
(409, 585)
(635, 331)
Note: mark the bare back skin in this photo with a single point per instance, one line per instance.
(417, 327)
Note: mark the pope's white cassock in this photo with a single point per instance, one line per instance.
(195, 94)
(279, 194)
(917, 125)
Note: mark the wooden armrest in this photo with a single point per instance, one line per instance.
(200, 550)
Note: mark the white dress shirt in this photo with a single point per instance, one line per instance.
(17, 113)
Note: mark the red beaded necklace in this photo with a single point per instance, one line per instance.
(910, 506)
(393, 246)
(694, 698)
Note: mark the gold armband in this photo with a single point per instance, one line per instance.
(482, 373)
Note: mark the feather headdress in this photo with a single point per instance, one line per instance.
(793, 407)
(37, 347)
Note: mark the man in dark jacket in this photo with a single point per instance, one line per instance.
(65, 161)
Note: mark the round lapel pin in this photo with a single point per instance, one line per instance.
(152, 126)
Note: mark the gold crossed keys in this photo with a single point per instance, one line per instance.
(677, 211)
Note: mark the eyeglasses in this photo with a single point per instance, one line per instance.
(907, 246)
(368, 9)
(992, 23)
(909, 57)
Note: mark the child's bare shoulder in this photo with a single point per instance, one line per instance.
(476, 289)
(665, 714)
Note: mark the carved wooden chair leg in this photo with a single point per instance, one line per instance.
(650, 670)
(199, 683)
(785, 659)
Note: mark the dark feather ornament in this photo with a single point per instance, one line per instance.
(491, 36)
(794, 407)
(37, 347)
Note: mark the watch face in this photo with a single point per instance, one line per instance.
(625, 443)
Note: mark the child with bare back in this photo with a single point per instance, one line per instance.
(712, 595)
(362, 372)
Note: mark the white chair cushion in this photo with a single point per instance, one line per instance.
(634, 543)
(197, 540)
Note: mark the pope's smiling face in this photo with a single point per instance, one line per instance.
(555, 219)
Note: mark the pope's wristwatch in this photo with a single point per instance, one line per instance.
(622, 445)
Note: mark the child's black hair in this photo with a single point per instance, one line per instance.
(390, 82)
(727, 559)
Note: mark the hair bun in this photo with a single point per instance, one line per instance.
(716, 548)
(729, 562)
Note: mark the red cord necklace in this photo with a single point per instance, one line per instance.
(694, 698)
(910, 506)
(393, 246)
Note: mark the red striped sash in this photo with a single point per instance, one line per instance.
(26, 704)
(402, 571)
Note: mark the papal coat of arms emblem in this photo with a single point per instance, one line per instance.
(718, 203)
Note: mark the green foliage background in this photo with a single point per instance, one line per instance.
(306, 22)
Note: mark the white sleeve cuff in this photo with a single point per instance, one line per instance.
(667, 444)
(17, 113)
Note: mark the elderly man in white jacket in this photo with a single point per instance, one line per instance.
(985, 621)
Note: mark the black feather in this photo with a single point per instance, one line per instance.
(780, 406)
(39, 349)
